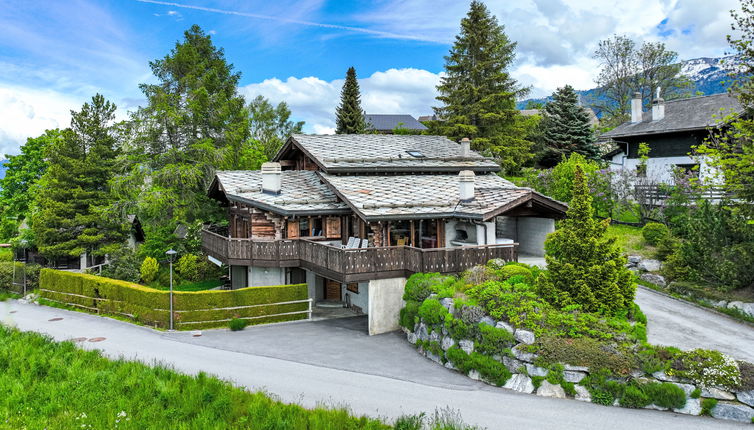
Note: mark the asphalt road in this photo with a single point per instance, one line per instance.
(676, 323)
(311, 384)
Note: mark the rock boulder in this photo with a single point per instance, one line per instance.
(649, 265)
(525, 336)
(733, 411)
(521, 383)
(551, 390)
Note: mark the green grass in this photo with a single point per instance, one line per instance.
(44, 384)
(630, 239)
(5, 295)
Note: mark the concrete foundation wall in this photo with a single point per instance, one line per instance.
(505, 227)
(238, 277)
(360, 299)
(385, 303)
(532, 233)
(263, 276)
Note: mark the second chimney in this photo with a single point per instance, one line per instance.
(658, 109)
(636, 109)
(466, 185)
(465, 147)
(271, 178)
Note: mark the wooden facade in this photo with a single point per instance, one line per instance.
(351, 265)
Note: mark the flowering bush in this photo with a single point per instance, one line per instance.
(707, 368)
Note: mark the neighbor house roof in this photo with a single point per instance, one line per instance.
(389, 122)
(681, 115)
(362, 153)
(377, 198)
(302, 192)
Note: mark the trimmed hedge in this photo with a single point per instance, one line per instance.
(6, 276)
(193, 310)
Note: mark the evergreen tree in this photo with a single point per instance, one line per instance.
(349, 117)
(478, 93)
(195, 121)
(23, 172)
(72, 195)
(566, 128)
(584, 266)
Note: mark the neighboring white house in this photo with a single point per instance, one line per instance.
(671, 130)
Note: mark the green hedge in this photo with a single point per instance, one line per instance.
(151, 307)
(6, 276)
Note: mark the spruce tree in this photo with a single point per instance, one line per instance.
(584, 266)
(349, 117)
(72, 196)
(479, 95)
(566, 128)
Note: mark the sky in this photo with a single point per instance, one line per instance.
(54, 55)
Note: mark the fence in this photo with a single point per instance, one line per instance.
(191, 310)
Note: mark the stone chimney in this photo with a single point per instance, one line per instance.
(466, 185)
(271, 181)
(465, 147)
(658, 109)
(636, 110)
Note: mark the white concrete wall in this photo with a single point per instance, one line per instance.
(385, 303)
(263, 276)
(506, 227)
(311, 283)
(532, 233)
(360, 299)
(480, 239)
(660, 169)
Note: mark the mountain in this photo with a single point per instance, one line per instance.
(709, 75)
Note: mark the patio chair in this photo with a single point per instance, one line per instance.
(364, 243)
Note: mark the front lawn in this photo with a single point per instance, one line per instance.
(45, 384)
(629, 238)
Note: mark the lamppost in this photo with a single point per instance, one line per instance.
(171, 256)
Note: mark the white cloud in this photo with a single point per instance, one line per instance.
(314, 100)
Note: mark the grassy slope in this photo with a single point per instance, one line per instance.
(44, 384)
(630, 239)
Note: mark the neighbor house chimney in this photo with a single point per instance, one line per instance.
(271, 182)
(658, 109)
(636, 112)
(466, 185)
(465, 147)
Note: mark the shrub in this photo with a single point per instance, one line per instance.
(585, 266)
(124, 265)
(459, 358)
(634, 397)
(187, 267)
(601, 397)
(603, 389)
(408, 314)
(237, 324)
(655, 232)
(419, 286)
(30, 271)
(666, 395)
(149, 269)
(457, 329)
(707, 368)
(490, 369)
(511, 270)
(696, 393)
(707, 406)
(493, 340)
(432, 312)
(584, 351)
(470, 314)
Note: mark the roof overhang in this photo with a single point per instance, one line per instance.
(292, 144)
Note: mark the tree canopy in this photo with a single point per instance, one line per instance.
(566, 128)
(478, 95)
(349, 117)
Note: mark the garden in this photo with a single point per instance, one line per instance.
(572, 330)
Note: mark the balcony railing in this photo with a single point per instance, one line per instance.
(351, 265)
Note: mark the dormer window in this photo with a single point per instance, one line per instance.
(415, 154)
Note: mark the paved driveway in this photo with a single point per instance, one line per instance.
(678, 323)
(308, 363)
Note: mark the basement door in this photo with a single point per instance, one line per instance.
(332, 290)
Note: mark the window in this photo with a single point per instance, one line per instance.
(415, 153)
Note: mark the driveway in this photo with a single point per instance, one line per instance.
(315, 363)
(677, 323)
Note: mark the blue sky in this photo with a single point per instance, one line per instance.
(55, 54)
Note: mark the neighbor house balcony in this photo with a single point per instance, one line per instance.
(351, 265)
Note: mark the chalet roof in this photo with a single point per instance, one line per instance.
(696, 113)
(389, 122)
(377, 198)
(302, 192)
(362, 153)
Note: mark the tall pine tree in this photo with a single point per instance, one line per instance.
(73, 195)
(566, 128)
(349, 117)
(478, 93)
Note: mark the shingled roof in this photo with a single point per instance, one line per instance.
(302, 192)
(681, 115)
(377, 198)
(361, 153)
(389, 122)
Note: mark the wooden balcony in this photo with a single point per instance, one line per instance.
(351, 265)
